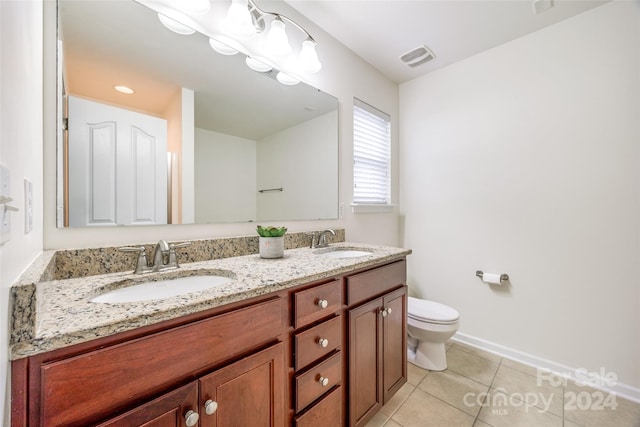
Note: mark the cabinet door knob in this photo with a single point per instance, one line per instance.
(323, 381)
(323, 342)
(191, 418)
(389, 310)
(322, 303)
(384, 312)
(210, 407)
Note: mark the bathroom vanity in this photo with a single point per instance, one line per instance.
(307, 340)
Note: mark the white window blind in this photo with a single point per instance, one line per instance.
(371, 155)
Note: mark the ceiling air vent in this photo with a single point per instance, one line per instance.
(417, 56)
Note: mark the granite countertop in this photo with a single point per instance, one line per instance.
(62, 313)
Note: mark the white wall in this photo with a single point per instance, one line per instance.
(223, 159)
(525, 160)
(20, 151)
(306, 150)
(343, 75)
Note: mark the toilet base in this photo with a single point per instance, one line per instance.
(428, 355)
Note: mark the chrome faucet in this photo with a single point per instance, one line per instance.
(322, 237)
(319, 238)
(164, 257)
(160, 255)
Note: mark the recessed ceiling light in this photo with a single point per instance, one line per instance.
(124, 89)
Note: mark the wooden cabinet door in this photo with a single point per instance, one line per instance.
(249, 392)
(365, 362)
(394, 342)
(169, 410)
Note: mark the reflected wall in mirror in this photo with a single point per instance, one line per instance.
(240, 146)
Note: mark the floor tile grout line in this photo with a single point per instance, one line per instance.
(488, 390)
(402, 403)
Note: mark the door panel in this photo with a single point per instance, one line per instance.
(365, 362)
(117, 166)
(249, 392)
(394, 342)
(168, 410)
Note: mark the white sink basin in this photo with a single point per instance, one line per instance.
(344, 253)
(161, 289)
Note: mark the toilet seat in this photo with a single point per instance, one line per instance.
(430, 311)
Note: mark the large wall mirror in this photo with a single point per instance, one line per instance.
(203, 138)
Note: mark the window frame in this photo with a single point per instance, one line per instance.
(360, 110)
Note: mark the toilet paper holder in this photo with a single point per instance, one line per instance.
(503, 277)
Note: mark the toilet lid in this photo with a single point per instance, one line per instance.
(429, 311)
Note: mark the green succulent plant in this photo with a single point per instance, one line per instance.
(270, 231)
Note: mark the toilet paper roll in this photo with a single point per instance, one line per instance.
(491, 278)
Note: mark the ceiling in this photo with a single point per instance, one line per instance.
(380, 31)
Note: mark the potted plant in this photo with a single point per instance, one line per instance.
(271, 241)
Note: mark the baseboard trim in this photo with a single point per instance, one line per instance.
(619, 389)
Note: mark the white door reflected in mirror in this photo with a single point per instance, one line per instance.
(117, 166)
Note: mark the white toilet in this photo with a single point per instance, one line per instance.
(430, 324)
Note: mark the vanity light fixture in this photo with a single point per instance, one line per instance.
(256, 33)
(124, 89)
(275, 44)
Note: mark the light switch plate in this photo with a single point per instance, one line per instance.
(5, 215)
(28, 206)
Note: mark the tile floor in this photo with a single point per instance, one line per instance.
(480, 389)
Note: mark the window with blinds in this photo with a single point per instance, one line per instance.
(371, 155)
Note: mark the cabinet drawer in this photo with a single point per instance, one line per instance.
(315, 303)
(318, 341)
(327, 412)
(309, 385)
(363, 286)
(146, 366)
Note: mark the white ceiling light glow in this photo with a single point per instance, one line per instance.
(197, 7)
(269, 40)
(124, 89)
(277, 42)
(309, 57)
(238, 19)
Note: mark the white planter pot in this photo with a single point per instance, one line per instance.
(272, 247)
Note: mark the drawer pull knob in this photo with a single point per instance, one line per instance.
(323, 342)
(322, 303)
(323, 381)
(191, 418)
(210, 407)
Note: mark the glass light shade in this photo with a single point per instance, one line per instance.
(224, 45)
(174, 25)
(309, 58)
(238, 20)
(277, 42)
(286, 79)
(257, 65)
